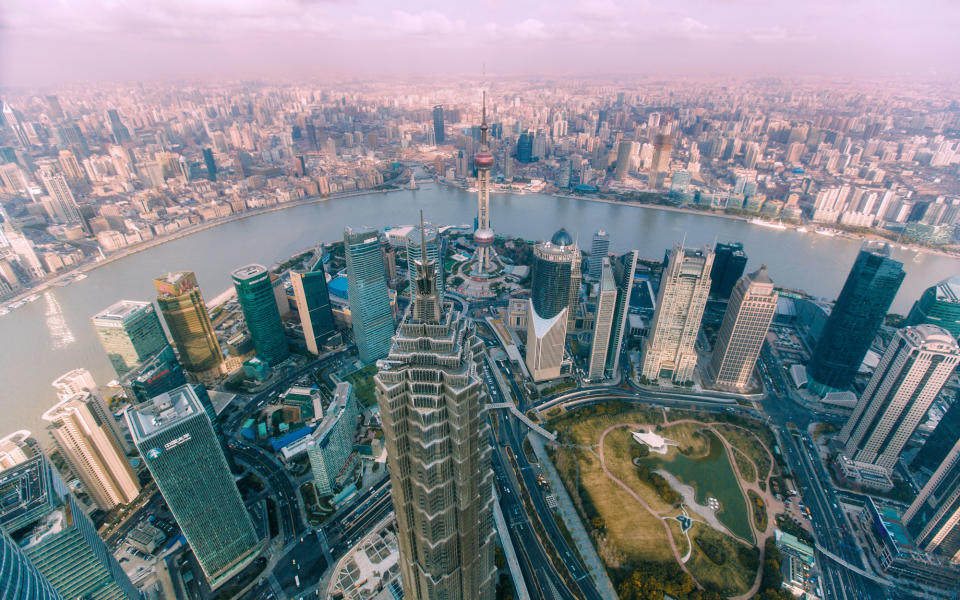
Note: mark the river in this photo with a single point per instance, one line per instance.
(44, 339)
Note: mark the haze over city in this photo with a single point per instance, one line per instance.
(573, 300)
(49, 42)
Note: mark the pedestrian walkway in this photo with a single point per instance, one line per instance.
(571, 519)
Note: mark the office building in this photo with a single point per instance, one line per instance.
(259, 305)
(603, 323)
(63, 205)
(178, 443)
(933, 519)
(939, 305)
(313, 305)
(19, 579)
(746, 321)
(483, 237)
(130, 332)
(121, 134)
(624, 157)
(438, 131)
(371, 315)
(855, 319)
(623, 268)
(525, 147)
(729, 263)
(280, 294)
(660, 165)
(434, 244)
(545, 344)
(210, 163)
(431, 402)
(17, 447)
(92, 450)
(331, 443)
(47, 524)
(158, 374)
(598, 251)
(185, 313)
(555, 280)
(669, 351)
(939, 442)
(911, 373)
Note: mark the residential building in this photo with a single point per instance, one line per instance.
(130, 332)
(669, 351)
(431, 400)
(17, 447)
(746, 321)
(331, 443)
(855, 319)
(177, 441)
(371, 315)
(90, 448)
(47, 524)
(911, 373)
(185, 313)
(259, 305)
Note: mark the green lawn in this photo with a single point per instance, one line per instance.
(363, 385)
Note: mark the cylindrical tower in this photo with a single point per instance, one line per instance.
(483, 236)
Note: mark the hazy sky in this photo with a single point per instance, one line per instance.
(44, 42)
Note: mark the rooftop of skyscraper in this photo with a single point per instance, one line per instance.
(120, 310)
(26, 491)
(248, 272)
(163, 411)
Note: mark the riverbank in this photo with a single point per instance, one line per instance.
(86, 267)
(812, 227)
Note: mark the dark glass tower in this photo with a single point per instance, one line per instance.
(211, 164)
(120, 132)
(313, 305)
(939, 305)
(552, 274)
(438, 124)
(158, 374)
(856, 317)
(943, 438)
(728, 265)
(525, 147)
(259, 304)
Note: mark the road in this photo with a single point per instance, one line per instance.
(275, 477)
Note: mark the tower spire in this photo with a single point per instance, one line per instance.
(426, 297)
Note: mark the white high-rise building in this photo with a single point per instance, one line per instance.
(750, 311)
(17, 448)
(911, 373)
(91, 450)
(598, 251)
(63, 205)
(603, 324)
(669, 351)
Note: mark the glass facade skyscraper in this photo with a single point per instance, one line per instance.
(370, 312)
(130, 332)
(259, 304)
(176, 438)
(855, 319)
(313, 305)
(59, 539)
(434, 252)
(438, 131)
(158, 374)
(729, 262)
(623, 268)
(944, 436)
(19, 579)
(939, 305)
(332, 442)
(185, 313)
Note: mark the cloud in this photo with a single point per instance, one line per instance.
(530, 29)
(428, 22)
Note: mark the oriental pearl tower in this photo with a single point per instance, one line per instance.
(483, 236)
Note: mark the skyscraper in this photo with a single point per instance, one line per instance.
(313, 305)
(120, 132)
(750, 311)
(598, 251)
(16, 448)
(177, 441)
(669, 351)
(933, 517)
(938, 444)
(130, 332)
(210, 163)
(525, 147)
(438, 130)
(729, 262)
(185, 313)
(79, 381)
(56, 536)
(606, 306)
(624, 267)
(158, 374)
(19, 579)
(939, 305)
(259, 304)
(91, 449)
(660, 165)
(331, 443)
(434, 252)
(431, 401)
(483, 237)
(857, 315)
(555, 291)
(370, 312)
(63, 205)
(624, 158)
(911, 373)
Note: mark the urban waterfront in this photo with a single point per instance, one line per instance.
(52, 335)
